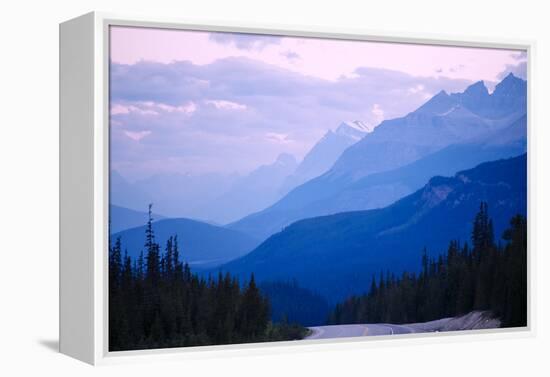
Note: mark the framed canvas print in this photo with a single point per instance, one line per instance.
(230, 186)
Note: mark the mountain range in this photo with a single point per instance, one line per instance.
(338, 255)
(125, 194)
(448, 133)
(253, 192)
(178, 195)
(224, 198)
(364, 200)
(325, 153)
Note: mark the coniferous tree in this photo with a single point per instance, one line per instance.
(156, 301)
(514, 313)
(486, 276)
(115, 265)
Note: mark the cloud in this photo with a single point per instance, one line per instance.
(244, 41)
(226, 105)
(522, 55)
(416, 89)
(278, 138)
(457, 68)
(378, 113)
(519, 70)
(137, 136)
(290, 55)
(151, 108)
(224, 112)
(117, 109)
(188, 108)
(328, 59)
(451, 69)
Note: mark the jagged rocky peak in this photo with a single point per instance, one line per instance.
(354, 129)
(476, 97)
(510, 77)
(477, 89)
(440, 103)
(356, 125)
(510, 85)
(510, 95)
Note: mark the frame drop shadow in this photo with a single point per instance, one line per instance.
(51, 344)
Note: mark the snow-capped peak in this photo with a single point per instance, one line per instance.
(359, 126)
(354, 129)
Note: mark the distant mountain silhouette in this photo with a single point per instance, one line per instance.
(185, 195)
(446, 134)
(325, 153)
(337, 255)
(200, 244)
(121, 218)
(125, 194)
(253, 192)
(210, 197)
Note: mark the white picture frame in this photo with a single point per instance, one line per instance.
(84, 151)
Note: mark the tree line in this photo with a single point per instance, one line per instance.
(155, 301)
(483, 276)
(295, 304)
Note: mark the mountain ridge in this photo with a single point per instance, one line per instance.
(121, 218)
(200, 244)
(348, 248)
(325, 152)
(398, 143)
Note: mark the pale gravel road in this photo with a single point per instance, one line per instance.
(471, 321)
(349, 331)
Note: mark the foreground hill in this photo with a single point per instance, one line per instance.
(337, 255)
(200, 244)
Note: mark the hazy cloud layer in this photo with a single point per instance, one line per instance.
(326, 59)
(236, 113)
(245, 41)
(519, 70)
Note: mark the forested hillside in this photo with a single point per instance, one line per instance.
(483, 276)
(337, 255)
(155, 301)
(292, 303)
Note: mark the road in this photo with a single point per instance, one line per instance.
(348, 331)
(474, 320)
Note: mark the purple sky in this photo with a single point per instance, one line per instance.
(198, 102)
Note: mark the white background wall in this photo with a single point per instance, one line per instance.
(29, 185)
